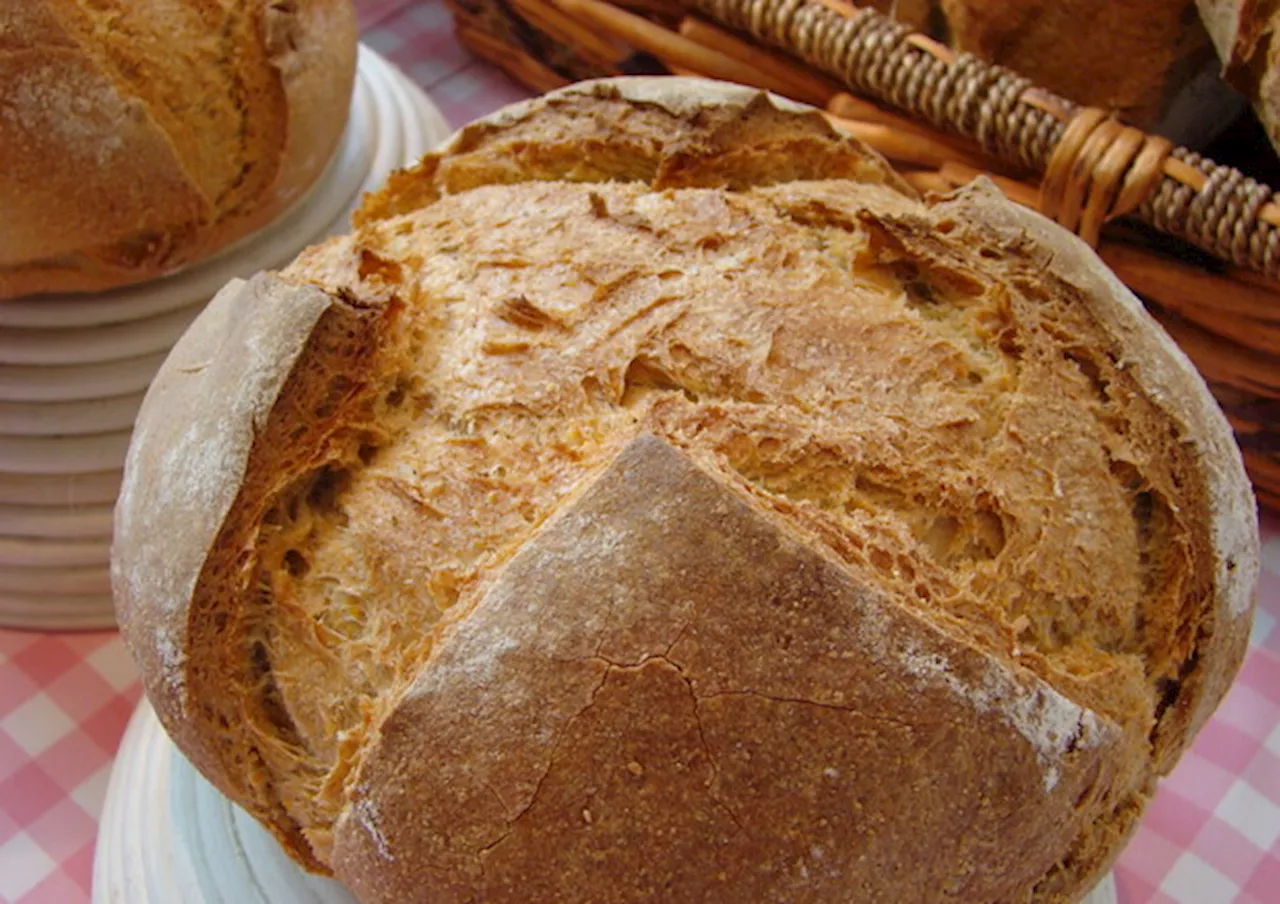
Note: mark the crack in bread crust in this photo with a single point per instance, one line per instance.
(783, 385)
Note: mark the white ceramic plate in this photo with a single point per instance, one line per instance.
(402, 141)
(25, 383)
(73, 418)
(95, 344)
(53, 552)
(93, 580)
(87, 613)
(382, 125)
(389, 155)
(167, 836)
(416, 142)
(81, 523)
(431, 122)
(64, 454)
(60, 490)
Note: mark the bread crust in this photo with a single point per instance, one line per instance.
(695, 666)
(1243, 34)
(1172, 380)
(1090, 777)
(181, 483)
(121, 162)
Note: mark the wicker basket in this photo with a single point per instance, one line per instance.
(1199, 242)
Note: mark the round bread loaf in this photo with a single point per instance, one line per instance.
(138, 137)
(655, 499)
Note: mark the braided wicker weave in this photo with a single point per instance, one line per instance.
(1209, 278)
(998, 108)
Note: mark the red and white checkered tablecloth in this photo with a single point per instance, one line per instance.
(1211, 836)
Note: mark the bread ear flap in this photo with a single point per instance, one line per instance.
(261, 365)
(640, 688)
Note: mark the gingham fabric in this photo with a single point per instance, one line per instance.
(1211, 836)
(64, 702)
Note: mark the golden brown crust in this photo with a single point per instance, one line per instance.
(946, 419)
(1243, 32)
(1170, 378)
(122, 160)
(651, 131)
(722, 714)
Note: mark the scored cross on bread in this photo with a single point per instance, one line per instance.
(654, 498)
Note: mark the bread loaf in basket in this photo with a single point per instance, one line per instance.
(654, 499)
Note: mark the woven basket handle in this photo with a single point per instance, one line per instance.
(1094, 167)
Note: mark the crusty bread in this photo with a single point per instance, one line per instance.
(1244, 34)
(139, 137)
(654, 499)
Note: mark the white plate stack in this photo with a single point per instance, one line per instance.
(167, 835)
(73, 369)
